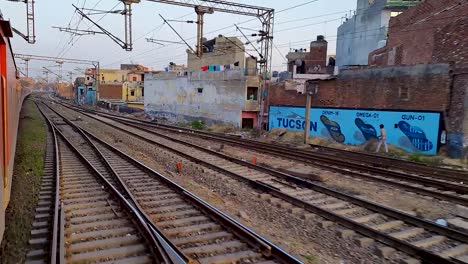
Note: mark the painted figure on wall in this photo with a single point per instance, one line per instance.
(410, 131)
(367, 130)
(333, 128)
(416, 136)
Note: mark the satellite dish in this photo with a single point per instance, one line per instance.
(298, 62)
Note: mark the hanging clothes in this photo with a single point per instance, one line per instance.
(221, 67)
(210, 68)
(227, 67)
(204, 68)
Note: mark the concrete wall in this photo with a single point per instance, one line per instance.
(362, 33)
(127, 90)
(222, 98)
(112, 76)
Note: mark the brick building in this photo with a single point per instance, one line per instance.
(423, 67)
(432, 32)
(308, 62)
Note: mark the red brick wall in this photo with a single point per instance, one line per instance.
(420, 34)
(110, 91)
(378, 88)
(452, 44)
(317, 54)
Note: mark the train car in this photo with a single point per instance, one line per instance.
(12, 96)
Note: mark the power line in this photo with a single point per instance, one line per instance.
(220, 29)
(78, 38)
(379, 29)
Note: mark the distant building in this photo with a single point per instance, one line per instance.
(367, 29)
(312, 61)
(220, 87)
(124, 84)
(432, 32)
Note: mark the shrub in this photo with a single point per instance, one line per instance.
(198, 124)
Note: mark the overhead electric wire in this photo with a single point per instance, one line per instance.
(216, 30)
(376, 29)
(78, 38)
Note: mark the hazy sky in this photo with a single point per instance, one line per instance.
(294, 28)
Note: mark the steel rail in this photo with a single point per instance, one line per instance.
(267, 247)
(160, 254)
(56, 249)
(420, 190)
(255, 240)
(427, 256)
(415, 179)
(443, 173)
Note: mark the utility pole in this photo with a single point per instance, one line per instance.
(311, 89)
(201, 11)
(30, 36)
(70, 73)
(60, 63)
(128, 23)
(26, 62)
(46, 72)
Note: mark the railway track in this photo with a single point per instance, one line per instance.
(46, 218)
(415, 236)
(83, 219)
(385, 166)
(198, 231)
(429, 186)
(321, 153)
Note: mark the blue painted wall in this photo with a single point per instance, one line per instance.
(412, 131)
(91, 97)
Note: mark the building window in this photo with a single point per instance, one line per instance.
(200, 90)
(134, 78)
(87, 78)
(404, 93)
(252, 93)
(102, 78)
(132, 93)
(142, 91)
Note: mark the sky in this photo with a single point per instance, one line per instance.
(294, 28)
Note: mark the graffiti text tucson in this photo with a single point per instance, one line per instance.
(295, 124)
